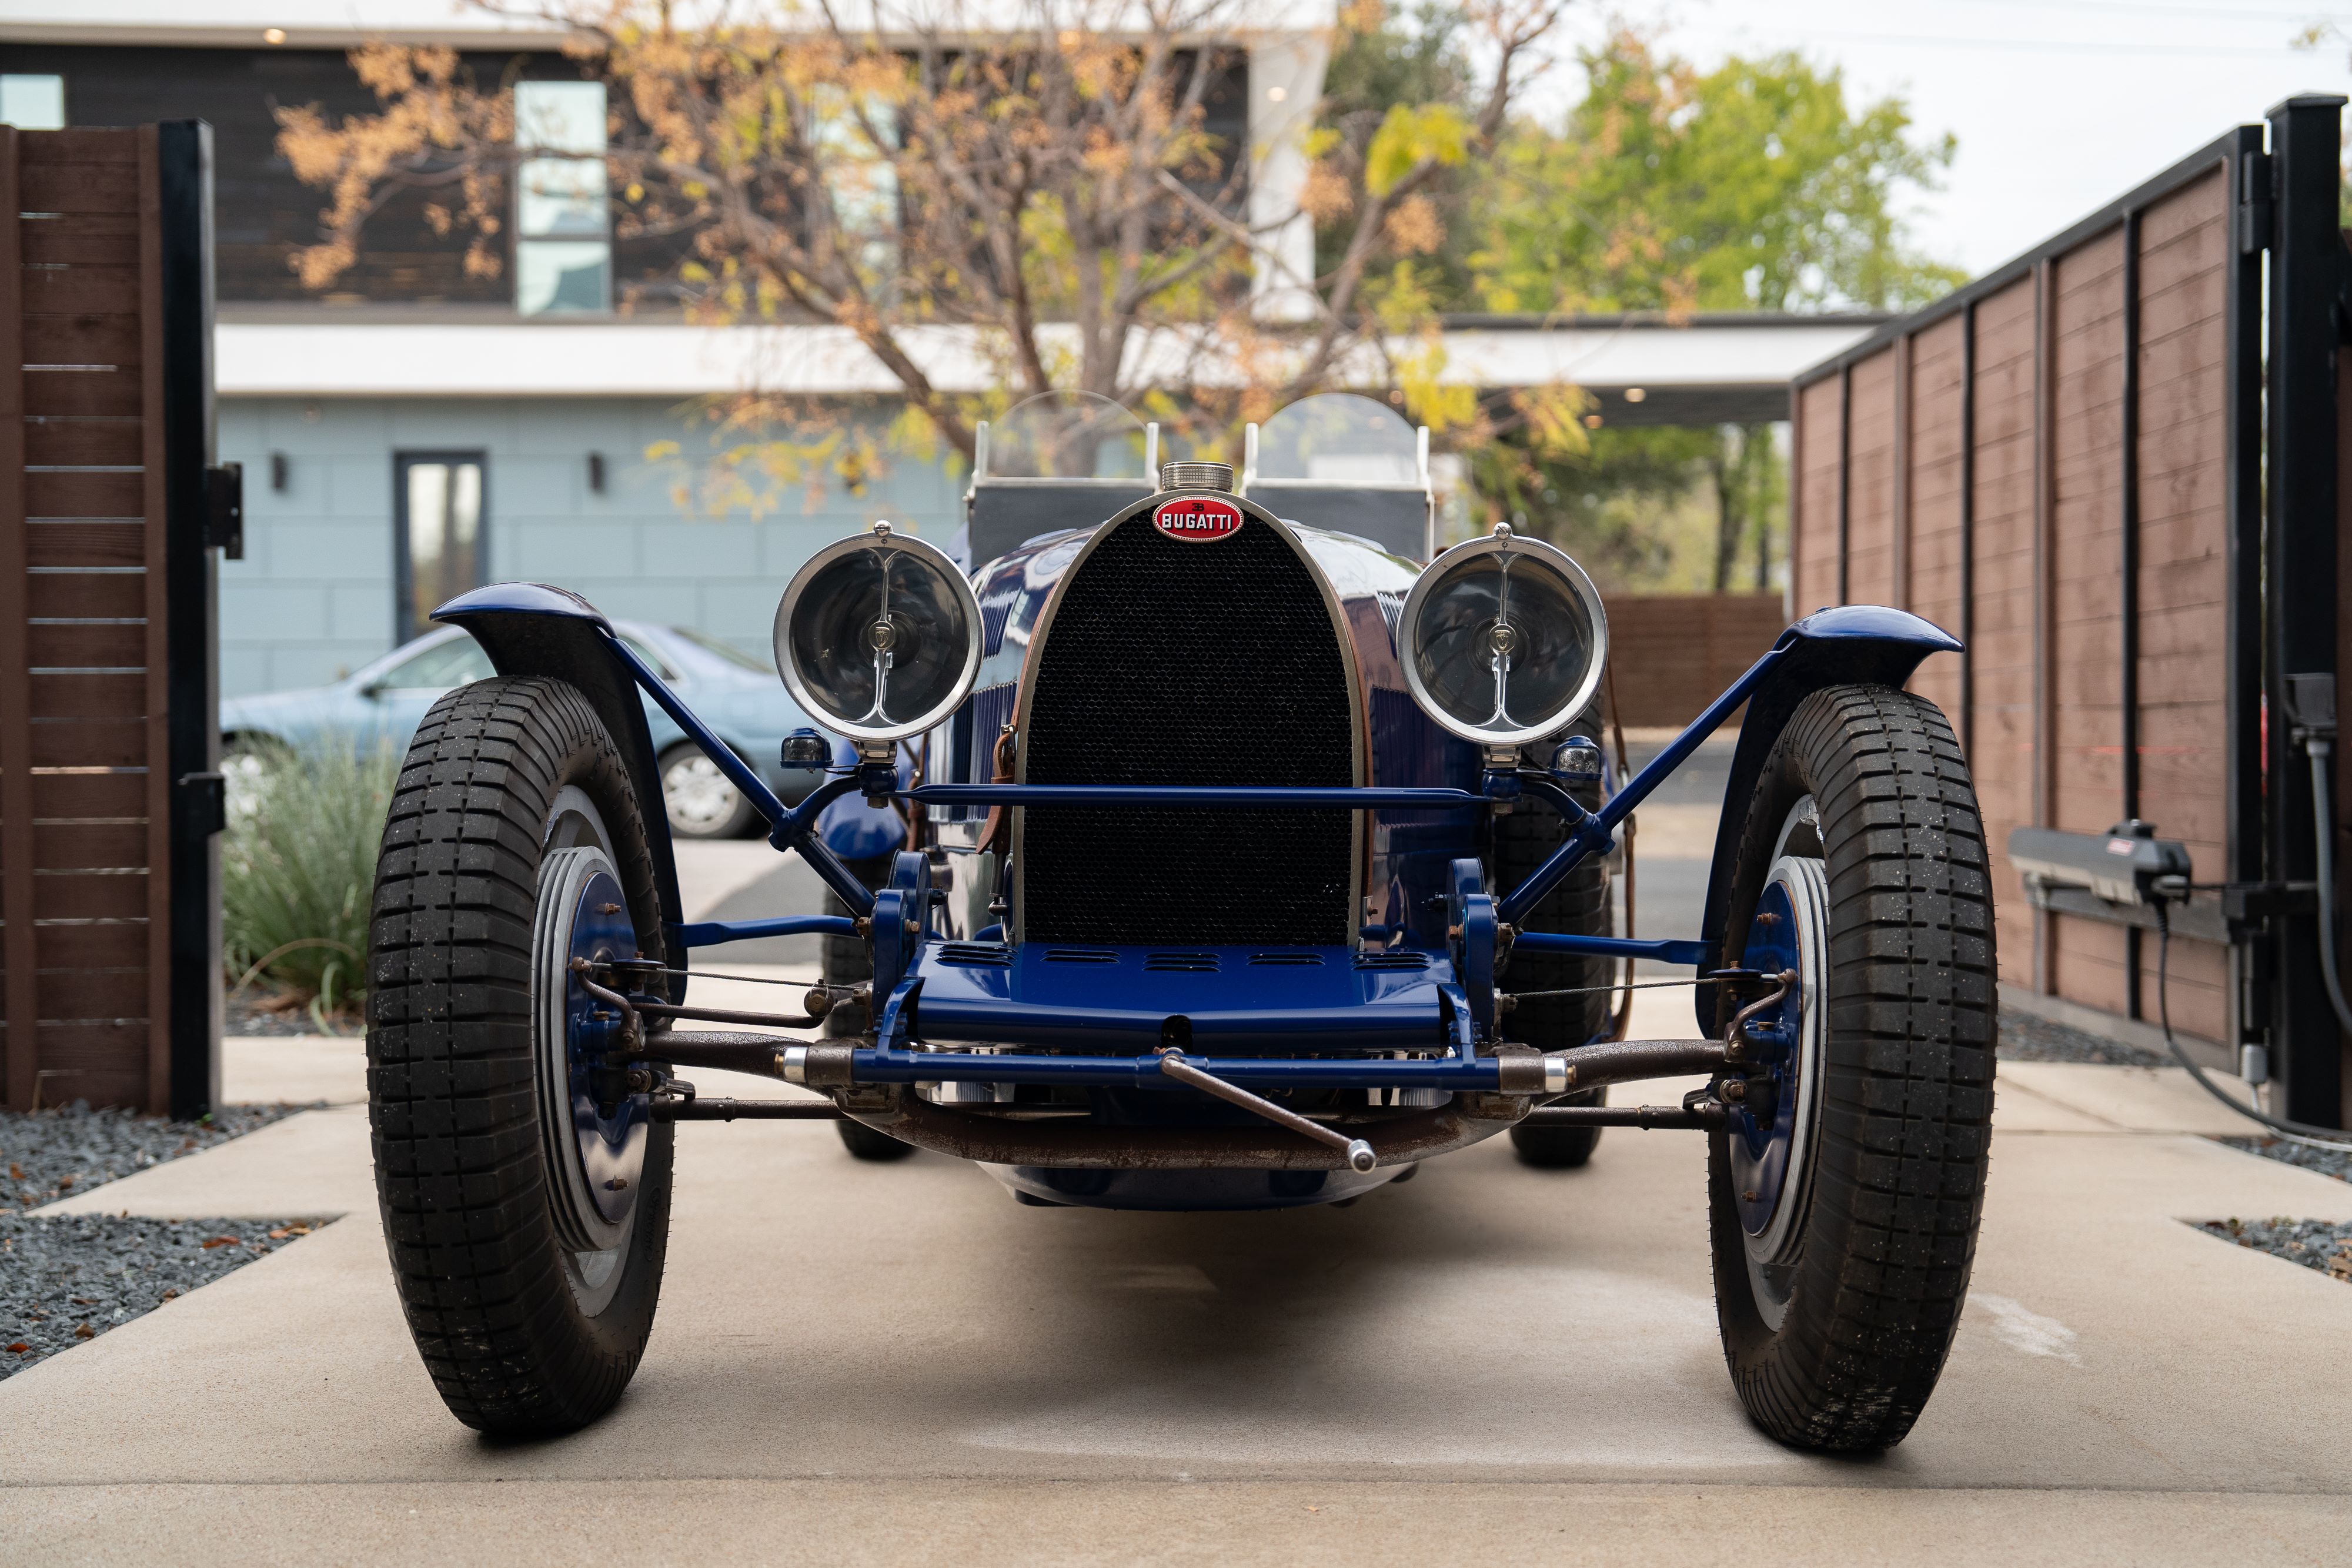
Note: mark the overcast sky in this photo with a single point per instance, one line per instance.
(2059, 105)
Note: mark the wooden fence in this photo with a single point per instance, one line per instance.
(1670, 654)
(95, 438)
(2053, 464)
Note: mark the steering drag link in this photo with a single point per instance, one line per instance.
(1359, 1153)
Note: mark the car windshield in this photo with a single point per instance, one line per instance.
(1066, 436)
(1339, 438)
(716, 648)
(451, 663)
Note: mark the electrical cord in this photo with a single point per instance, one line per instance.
(2293, 1132)
(2322, 823)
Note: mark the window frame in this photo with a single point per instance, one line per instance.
(522, 238)
(403, 577)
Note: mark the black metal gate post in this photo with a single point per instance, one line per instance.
(2306, 265)
(202, 513)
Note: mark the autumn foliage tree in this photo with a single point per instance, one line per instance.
(1047, 193)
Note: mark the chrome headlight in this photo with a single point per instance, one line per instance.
(1502, 640)
(878, 636)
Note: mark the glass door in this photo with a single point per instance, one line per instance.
(440, 546)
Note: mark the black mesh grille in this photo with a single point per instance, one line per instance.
(1179, 662)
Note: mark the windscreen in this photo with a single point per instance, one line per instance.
(1339, 438)
(1067, 435)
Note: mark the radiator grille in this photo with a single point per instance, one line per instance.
(1176, 662)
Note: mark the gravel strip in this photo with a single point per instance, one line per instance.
(47, 1154)
(2325, 1245)
(2326, 1162)
(249, 1013)
(2027, 1038)
(70, 1279)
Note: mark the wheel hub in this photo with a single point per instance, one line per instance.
(593, 1138)
(1773, 1129)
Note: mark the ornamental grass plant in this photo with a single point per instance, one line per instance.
(297, 870)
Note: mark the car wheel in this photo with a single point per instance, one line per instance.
(1845, 1191)
(526, 1203)
(700, 802)
(1579, 906)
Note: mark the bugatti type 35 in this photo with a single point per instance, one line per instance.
(1197, 848)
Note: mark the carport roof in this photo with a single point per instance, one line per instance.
(1706, 370)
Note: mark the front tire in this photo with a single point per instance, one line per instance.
(1844, 1200)
(512, 795)
(1579, 906)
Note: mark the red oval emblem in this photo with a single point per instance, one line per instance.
(1197, 517)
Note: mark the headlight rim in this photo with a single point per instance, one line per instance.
(1579, 583)
(885, 537)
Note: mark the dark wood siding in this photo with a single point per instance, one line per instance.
(263, 213)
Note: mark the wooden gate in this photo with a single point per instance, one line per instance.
(2064, 464)
(110, 793)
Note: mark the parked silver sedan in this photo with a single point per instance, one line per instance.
(382, 704)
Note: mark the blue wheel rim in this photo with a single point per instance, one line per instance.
(1764, 1128)
(610, 1148)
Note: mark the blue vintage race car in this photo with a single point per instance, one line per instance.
(1251, 864)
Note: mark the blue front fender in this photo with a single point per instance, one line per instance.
(1867, 644)
(531, 628)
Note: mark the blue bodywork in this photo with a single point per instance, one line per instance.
(1406, 1011)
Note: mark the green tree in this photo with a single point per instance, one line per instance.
(1382, 62)
(1752, 187)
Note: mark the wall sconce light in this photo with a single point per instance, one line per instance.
(278, 472)
(597, 472)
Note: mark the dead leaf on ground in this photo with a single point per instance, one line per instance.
(85, 1331)
(20, 1347)
(220, 1241)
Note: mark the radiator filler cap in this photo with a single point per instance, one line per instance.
(1196, 476)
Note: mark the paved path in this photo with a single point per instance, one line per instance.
(898, 1364)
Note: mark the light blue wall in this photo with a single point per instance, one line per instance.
(313, 597)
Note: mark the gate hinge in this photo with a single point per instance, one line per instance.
(225, 510)
(203, 803)
(2257, 177)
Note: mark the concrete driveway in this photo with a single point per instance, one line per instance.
(898, 1364)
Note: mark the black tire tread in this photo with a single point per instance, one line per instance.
(1905, 1112)
(1579, 906)
(451, 1107)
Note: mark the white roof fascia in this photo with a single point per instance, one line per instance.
(1646, 356)
(239, 24)
(338, 23)
(631, 359)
